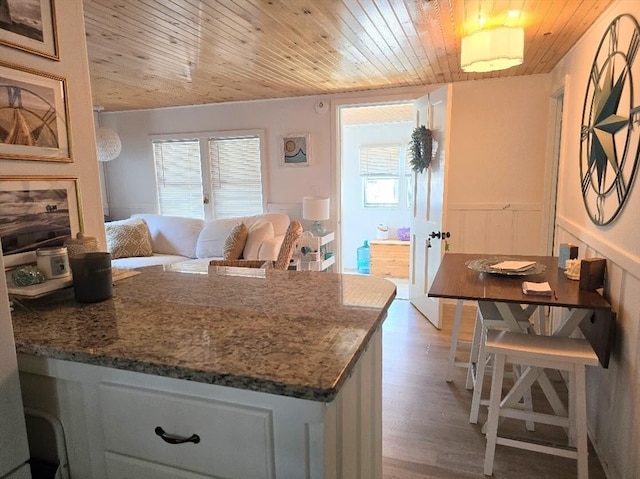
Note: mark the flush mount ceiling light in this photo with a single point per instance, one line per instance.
(492, 49)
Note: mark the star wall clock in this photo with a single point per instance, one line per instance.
(610, 135)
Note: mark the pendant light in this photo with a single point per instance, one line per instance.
(107, 140)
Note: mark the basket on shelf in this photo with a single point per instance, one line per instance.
(404, 234)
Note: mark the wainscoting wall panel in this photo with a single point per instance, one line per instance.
(613, 394)
(495, 228)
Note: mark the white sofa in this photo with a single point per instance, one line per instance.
(175, 239)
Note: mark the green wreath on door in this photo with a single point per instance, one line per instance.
(421, 148)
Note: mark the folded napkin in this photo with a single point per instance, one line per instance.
(543, 289)
(513, 265)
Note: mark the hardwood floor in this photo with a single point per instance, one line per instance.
(426, 429)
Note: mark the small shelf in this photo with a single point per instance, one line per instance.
(319, 265)
(320, 244)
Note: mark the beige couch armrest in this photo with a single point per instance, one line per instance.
(270, 248)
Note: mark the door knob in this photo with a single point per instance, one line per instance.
(440, 234)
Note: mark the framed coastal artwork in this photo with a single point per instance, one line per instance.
(29, 25)
(34, 120)
(295, 149)
(36, 211)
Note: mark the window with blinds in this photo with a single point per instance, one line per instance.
(231, 167)
(380, 172)
(179, 177)
(236, 177)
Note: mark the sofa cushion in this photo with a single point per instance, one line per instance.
(213, 236)
(258, 234)
(128, 238)
(280, 221)
(173, 234)
(234, 244)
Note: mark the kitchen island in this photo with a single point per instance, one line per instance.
(264, 375)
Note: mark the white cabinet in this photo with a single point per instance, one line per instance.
(317, 244)
(109, 418)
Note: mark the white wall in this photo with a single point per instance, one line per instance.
(359, 223)
(73, 66)
(131, 177)
(613, 399)
(496, 169)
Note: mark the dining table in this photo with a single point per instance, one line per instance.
(473, 277)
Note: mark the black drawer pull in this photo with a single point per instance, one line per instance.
(171, 439)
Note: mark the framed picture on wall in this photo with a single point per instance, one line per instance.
(29, 25)
(34, 120)
(36, 211)
(295, 149)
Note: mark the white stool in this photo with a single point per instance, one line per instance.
(566, 354)
(488, 318)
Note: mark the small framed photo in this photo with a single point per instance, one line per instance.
(295, 149)
(34, 119)
(30, 25)
(36, 211)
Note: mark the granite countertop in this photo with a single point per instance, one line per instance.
(291, 333)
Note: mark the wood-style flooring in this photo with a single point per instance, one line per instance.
(426, 429)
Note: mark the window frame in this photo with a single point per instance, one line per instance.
(203, 137)
(402, 177)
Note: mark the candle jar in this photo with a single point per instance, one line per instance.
(53, 262)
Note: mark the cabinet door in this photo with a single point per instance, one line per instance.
(124, 467)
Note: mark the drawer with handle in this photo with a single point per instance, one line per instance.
(208, 437)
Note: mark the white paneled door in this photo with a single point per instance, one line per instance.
(428, 236)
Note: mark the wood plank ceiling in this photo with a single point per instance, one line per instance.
(158, 53)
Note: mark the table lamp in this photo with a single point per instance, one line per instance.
(316, 209)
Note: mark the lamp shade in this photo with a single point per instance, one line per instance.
(493, 49)
(108, 144)
(315, 208)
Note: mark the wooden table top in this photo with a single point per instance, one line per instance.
(455, 279)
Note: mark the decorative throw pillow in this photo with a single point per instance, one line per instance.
(129, 239)
(234, 244)
(258, 234)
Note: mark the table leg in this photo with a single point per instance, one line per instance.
(457, 319)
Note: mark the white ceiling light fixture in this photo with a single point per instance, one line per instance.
(108, 142)
(492, 49)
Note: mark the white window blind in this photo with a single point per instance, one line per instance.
(236, 177)
(380, 169)
(179, 177)
(383, 160)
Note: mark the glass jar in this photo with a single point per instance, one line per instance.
(53, 262)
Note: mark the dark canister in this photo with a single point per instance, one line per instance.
(92, 281)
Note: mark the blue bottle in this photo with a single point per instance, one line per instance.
(363, 258)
